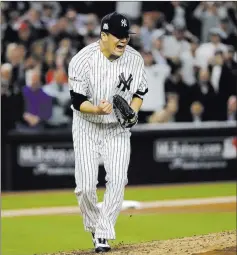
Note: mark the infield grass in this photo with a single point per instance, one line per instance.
(151, 193)
(41, 234)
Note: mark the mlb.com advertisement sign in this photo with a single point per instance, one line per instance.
(183, 153)
(48, 159)
(190, 153)
(54, 159)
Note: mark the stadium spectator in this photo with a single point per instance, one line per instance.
(6, 77)
(59, 91)
(203, 96)
(189, 62)
(31, 62)
(50, 13)
(207, 50)
(178, 18)
(47, 15)
(55, 6)
(8, 35)
(209, 13)
(48, 67)
(175, 43)
(148, 25)
(14, 55)
(196, 111)
(33, 16)
(157, 47)
(167, 114)
(132, 10)
(232, 13)
(175, 85)
(156, 76)
(37, 49)
(38, 105)
(91, 30)
(12, 104)
(136, 39)
(223, 82)
(76, 20)
(25, 35)
(229, 37)
(229, 58)
(90, 26)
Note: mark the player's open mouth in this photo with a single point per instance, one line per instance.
(120, 47)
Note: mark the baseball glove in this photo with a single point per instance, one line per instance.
(126, 116)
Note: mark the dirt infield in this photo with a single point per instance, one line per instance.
(223, 243)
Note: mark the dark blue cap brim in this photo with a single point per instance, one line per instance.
(121, 35)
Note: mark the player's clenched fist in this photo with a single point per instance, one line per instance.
(105, 107)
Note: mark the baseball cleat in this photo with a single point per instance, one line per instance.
(101, 244)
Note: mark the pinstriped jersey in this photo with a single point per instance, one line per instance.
(91, 74)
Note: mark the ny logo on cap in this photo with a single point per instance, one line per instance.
(123, 22)
(106, 26)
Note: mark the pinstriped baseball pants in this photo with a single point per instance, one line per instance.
(114, 148)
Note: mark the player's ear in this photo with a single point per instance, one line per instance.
(104, 36)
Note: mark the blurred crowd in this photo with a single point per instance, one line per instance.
(189, 49)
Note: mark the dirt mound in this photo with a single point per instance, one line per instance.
(223, 243)
(225, 251)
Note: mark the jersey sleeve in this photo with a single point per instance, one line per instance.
(143, 86)
(77, 78)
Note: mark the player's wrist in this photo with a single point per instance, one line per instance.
(96, 110)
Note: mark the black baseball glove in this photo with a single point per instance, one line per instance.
(126, 116)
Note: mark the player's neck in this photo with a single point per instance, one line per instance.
(106, 53)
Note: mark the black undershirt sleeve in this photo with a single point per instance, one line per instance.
(77, 99)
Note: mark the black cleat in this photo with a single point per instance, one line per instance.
(101, 244)
(102, 249)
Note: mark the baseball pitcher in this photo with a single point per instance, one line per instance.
(107, 84)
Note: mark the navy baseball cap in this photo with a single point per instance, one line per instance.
(116, 24)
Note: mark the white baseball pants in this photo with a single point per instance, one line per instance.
(112, 144)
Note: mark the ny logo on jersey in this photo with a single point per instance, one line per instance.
(124, 23)
(126, 83)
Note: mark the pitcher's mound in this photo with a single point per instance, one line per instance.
(223, 243)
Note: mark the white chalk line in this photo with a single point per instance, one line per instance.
(129, 205)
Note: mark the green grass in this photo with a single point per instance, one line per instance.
(41, 234)
(67, 198)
